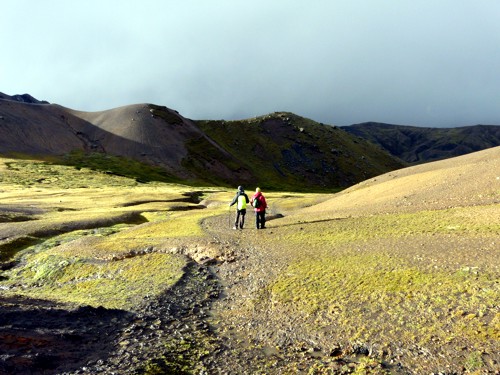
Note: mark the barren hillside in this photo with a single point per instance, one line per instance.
(467, 180)
(151, 134)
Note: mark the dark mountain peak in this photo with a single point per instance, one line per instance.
(23, 98)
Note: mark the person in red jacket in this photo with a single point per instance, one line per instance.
(259, 204)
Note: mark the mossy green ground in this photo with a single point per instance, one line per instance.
(92, 235)
(427, 279)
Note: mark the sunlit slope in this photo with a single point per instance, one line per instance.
(468, 180)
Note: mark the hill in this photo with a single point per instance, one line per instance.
(421, 145)
(280, 150)
(464, 181)
(283, 150)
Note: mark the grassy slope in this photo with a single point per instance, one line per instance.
(401, 276)
(283, 151)
(397, 271)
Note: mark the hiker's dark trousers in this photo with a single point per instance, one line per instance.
(260, 219)
(240, 218)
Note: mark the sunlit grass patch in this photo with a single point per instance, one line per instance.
(52, 224)
(374, 297)
(123, 239)
(31, 173)
(170, 225)
(112, 284)
(177, 224)
(65, 238)
(89, 231)
(469, 220)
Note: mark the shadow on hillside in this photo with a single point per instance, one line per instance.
(43, 337)
(305, 221)
(189, 197)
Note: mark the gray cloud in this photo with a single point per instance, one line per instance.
(340, 62)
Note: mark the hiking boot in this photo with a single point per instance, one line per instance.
(235, 227)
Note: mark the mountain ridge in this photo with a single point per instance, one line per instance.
(279, 150)
(398, 273)
(287, 151)
(416, 145)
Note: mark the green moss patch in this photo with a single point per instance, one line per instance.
(456, 221)
(379, 299)
(112, 284)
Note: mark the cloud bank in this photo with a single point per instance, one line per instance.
(340, 62)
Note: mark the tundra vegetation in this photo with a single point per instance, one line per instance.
(324, 289)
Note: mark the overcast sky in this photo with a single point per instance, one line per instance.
(425, 63)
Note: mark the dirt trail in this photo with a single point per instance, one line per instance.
(253, 340)
(259, 337)
(210, 318)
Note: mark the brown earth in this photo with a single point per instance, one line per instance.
(463, 181)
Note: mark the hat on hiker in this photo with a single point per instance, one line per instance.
(257, 190)
(240, 188)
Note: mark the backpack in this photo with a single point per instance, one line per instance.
(256, 202)
(242, 202)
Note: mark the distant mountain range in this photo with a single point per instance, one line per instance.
(277, 151)
(418, 145)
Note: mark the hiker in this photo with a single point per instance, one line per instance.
(241, 198)
(258, 201)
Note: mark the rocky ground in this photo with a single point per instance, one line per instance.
(46, 338)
